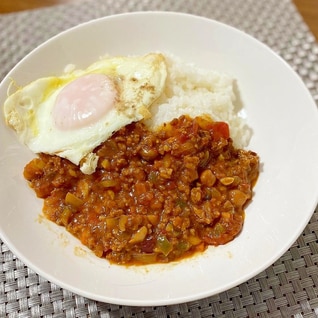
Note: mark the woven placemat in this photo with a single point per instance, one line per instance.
(288, 288)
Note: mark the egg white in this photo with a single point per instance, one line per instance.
(139, 81)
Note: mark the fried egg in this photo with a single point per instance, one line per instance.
(70, 115)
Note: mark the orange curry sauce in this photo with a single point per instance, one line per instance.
(155, 197)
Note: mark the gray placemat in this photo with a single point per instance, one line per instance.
(288, 288)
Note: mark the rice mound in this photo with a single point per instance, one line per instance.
(193, 91)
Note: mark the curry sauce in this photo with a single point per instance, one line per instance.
(156, 196)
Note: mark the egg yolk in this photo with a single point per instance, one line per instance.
(84, 101)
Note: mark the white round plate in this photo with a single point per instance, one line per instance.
(279, 109)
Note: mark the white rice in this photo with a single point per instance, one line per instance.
(193, 91)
